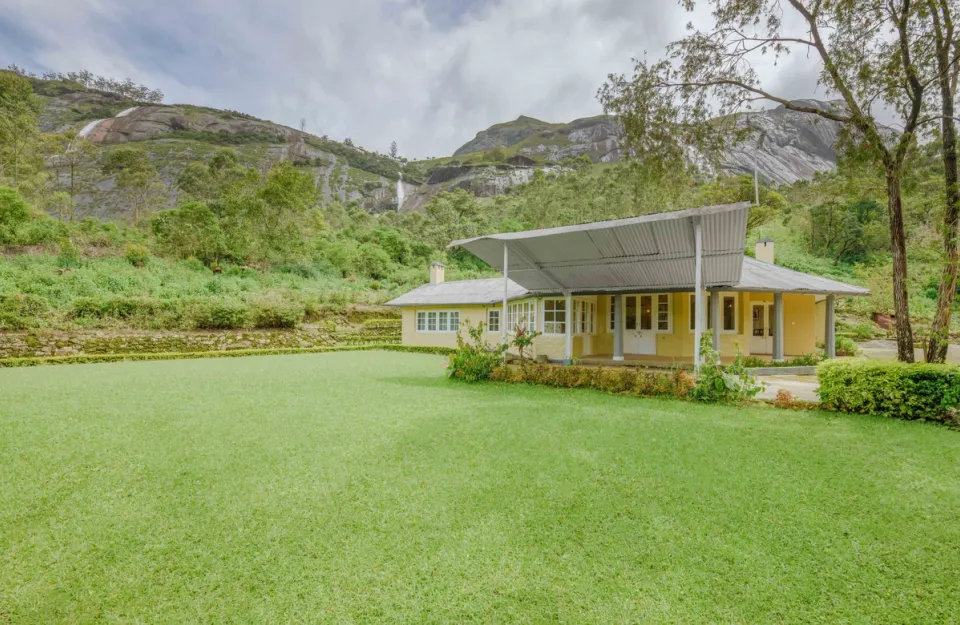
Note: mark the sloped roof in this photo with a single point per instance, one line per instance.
(487, 291)
(760, 276)
(640, 253)
(756, 276)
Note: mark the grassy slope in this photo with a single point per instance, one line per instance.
(269, 489)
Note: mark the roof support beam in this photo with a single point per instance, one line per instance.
(778, 327)
(506, 294)
(524, 258)
(618, 326)
(698, 290)
(715, 319)
(568, 327)
(830, 332)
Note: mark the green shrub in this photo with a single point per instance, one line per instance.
(716, 383)
(14, 212)
(863, 331)
(136, 255)
(21, 311)
(891, 389)
(846, 346)
(275, 312)
(69, 254)
(618, 381)
(475, 359)
(219, 314)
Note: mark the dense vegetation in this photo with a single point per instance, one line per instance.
(242, 237)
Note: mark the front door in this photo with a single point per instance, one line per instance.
(638, 334)
(761, 339)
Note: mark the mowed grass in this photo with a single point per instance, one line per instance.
(359, 487)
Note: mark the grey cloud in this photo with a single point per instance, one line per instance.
(426, 73)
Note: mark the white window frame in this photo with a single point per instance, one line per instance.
(584, 317)
(656, 316)
(435, 319)
(491, 326)
(552, 327)
(706, 300)
(522, 311)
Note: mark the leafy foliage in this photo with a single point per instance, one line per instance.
(475, 359)
(891, 389)
(717, 383)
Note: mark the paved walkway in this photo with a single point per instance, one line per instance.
(887, 350)
(800, 386)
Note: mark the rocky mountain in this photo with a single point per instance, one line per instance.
(787, 146)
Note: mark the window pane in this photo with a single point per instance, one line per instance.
(432, 322)
(663, 312)
(613, 303)
(758, 327)
(421, 321)
(454, 321)
(630, 310)
(646, 312)
(493, 320)
(729, 313)
(442, 324)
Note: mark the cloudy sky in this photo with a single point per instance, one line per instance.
(426, 73)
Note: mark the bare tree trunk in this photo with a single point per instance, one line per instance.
(898, 244)
(938, 342)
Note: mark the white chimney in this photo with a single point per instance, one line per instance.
(436, 272)
(764, 250)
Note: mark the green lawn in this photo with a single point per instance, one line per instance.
(366, 487)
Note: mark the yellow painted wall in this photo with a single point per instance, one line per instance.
(803, 325)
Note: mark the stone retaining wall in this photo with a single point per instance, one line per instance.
(40, 343)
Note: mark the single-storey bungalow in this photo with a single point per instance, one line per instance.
(631, 289)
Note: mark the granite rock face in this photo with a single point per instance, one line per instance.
(786, 146)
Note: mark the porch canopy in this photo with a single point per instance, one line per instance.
(656, 251)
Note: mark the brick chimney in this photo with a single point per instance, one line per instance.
(764, 250)
(436, 272)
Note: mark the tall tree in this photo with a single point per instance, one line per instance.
(69, 154)
(946, 45)
(393, 150)
(867, 52)
(19, 128)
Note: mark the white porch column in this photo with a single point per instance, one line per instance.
(568, 325)
(618, 327)
(830, 332)
(778, 327)
(698, 290)
(506, 291)
(715, 318)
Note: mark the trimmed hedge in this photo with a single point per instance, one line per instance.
(891, 389)
(236, 353)
(617, 381)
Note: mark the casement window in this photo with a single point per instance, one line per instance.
(493, 320)
(438, 321)
(584, 315)
(554, 316)
(664, 313)
(728, 313)
(522, 315)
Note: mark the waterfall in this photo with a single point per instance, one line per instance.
(400, 192)
(85, 132)
(127, 111)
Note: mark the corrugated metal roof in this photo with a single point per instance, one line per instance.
(761, 276)
(643, 252)
(756, 276)
(487, 291)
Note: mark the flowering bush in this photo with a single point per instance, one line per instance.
(475, 359)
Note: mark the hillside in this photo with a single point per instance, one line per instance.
(174, 135)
